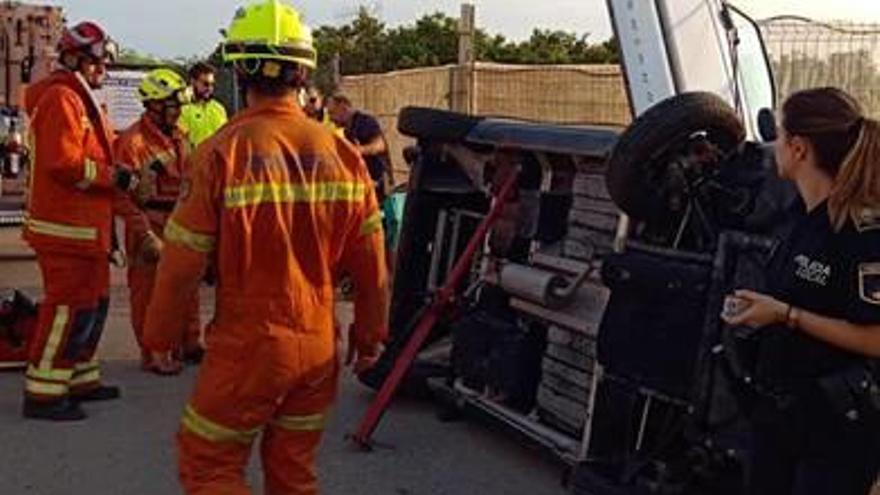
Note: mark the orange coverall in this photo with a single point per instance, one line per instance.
(283, 206)
(142, 146)
(69, 217)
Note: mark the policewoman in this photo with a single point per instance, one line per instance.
(815, 421)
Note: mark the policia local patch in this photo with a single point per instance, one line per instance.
(869, 283)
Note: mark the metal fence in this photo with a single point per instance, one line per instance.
(562, 94)
(804, 54)
(807, 54)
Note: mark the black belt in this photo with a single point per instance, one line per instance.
(159, 205)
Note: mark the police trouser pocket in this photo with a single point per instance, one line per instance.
(853, 395)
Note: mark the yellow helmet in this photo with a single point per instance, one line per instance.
(269, 30)
(162, 84)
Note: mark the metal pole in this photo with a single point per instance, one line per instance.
(643, 424)
(591, 409)
(7, 66)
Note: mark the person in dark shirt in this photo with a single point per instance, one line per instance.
(364, 131)
(816, 423)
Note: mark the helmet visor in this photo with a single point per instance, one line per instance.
(105, 50)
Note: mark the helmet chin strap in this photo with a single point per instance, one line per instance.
(242, 86)
(160, 118)
(71, 61)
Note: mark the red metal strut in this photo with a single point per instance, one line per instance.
(423, 328)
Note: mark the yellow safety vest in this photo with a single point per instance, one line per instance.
(201, 120)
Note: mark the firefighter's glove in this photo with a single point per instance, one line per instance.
(361, 355)
(125, 179)
(143, 191)
(151, 248)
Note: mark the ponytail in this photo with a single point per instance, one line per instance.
(857, 183)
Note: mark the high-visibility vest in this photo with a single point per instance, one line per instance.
(202, 119)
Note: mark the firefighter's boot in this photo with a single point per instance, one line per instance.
(57, 410)
(103, 392)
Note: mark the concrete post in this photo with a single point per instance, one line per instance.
(464, 87)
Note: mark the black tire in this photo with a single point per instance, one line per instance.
(643, 151)
(434, 124)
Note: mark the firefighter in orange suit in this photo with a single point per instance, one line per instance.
(156, 148)
(283, 206)
(69, 216)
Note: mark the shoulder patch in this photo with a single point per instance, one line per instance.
(869, 283)
(868, 219)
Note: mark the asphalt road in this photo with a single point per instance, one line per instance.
(126, 446)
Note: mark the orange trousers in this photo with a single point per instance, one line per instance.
(141, 278)
(281, 387)
(69, 325)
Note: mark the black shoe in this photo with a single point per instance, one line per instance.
(194, 355)
(58, 410)
(103, 392)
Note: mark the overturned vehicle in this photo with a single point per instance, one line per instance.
(594, 335)
(589, 319)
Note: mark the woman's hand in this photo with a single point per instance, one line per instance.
(760, 310)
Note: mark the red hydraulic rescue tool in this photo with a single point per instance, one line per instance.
(441, 302)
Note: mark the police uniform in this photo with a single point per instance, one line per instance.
(815, 431)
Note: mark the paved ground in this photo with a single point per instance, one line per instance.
(126, 447)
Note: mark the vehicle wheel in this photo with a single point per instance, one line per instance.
(640, 175)
(434, 124)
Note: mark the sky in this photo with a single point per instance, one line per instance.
(171, 28)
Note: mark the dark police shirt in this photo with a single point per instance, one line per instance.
(363, 129)
(834, 274)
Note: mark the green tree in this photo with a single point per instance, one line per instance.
(366, 45)
(129, 56)
(361, 44)
(497, 48)
(433, 40)
(561, 47)
(549, 47)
